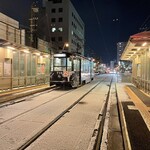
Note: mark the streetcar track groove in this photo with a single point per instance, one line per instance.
(38, 134)
(25, 98)
(51, 100)
(99, 126)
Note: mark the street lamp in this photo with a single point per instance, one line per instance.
(65, 45)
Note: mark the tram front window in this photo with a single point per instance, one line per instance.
(59, 64)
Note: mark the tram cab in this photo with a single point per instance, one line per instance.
(70, 69)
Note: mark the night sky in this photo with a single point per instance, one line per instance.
(106, 21)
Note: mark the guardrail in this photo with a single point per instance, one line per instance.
(8, 83)
(142, 84)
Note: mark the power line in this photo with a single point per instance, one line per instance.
(98, 21)
(100, 28)
(146, 24)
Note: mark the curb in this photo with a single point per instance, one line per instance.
(96, 128)
(9, 97)
(126, 139)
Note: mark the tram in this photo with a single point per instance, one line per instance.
(71, 69)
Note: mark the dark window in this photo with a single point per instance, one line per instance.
(60, 10)
(57, 1)
(60, 19)
(53, 19)
(53, 39)
(60, 38)
(53, 10)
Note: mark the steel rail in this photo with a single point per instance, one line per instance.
(26, 97)
(34, 107)
(96, 139)
(44, 129)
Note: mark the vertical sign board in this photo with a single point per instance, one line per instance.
(1, 69)
(7, 67)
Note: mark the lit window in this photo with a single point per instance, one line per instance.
(53, 29)
(60, 29)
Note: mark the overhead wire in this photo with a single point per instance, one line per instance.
(100, 28)
(146, 22)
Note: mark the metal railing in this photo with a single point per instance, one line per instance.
(16, 82)
(142, 84)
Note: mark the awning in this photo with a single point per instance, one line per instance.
(14, 46)
(141, 37)
(136, 44)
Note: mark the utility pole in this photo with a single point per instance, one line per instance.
(33, 24)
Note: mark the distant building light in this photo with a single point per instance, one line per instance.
(144, 44)
(26, 51)
(9, 47)
(60, 29)
(38, 54)
(46, 56)
(53, 29)
(138, 49)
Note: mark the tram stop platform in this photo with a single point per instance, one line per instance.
(134, 108)
(8, 95)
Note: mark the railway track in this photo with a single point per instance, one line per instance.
(97, 132)
(13, 99)
(31, 140)
(29, 98)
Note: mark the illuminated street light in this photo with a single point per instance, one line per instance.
(65, 45)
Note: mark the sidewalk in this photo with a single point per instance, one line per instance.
(135, 116)
(21, 92)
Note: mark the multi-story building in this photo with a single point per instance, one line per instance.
(120, 49)
(124, 64)
(64, 26)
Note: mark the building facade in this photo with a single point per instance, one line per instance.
(20, 65)
(64, 26)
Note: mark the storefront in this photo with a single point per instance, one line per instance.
(20, 66)
(23, 67)
(138, 51)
